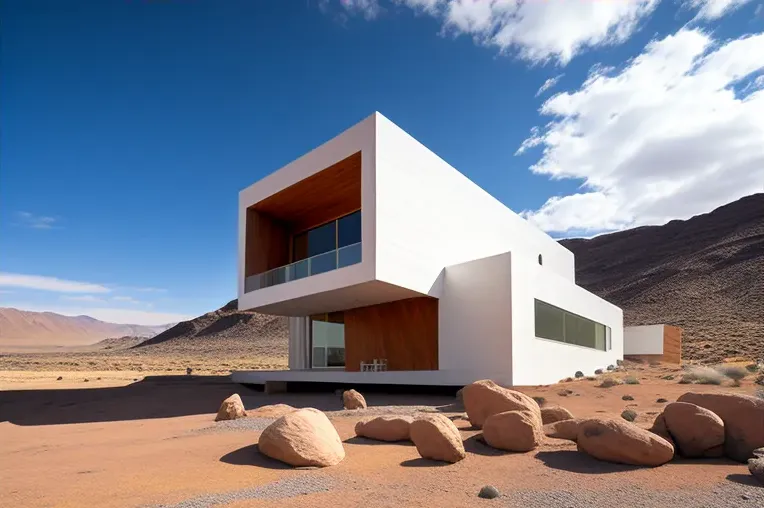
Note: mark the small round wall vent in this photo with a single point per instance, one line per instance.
(541, 261)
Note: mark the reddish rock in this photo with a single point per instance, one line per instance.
(304, 437)
(514, 431)
(551, 414)
(352, 399)
(385, 428)
(485, 398)
(696, 431)
(623, 443)
(743, 418)
(564, 429)
(231, 409)
(437, 438)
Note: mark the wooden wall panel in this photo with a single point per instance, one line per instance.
(672, 344)
(267, 244)
(405, 332)
(318, 199)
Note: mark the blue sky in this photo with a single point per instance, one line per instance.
(128, 128)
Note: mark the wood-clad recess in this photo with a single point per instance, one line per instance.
(322, 197)
(405, 332)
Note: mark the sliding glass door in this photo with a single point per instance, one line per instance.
(327, 334)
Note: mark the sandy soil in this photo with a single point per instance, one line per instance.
(153, 442)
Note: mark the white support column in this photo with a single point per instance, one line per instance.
(298, 343)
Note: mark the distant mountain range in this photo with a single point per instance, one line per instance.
(704, 274)
(26, 329)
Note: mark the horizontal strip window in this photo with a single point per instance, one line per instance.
(554, 323)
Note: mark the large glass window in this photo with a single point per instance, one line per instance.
(327, 333)
(557, 324)
(331, 236)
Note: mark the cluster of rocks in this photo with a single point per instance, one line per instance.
(697, 425)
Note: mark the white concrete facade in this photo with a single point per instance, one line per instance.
(429, 230)
(643, 340)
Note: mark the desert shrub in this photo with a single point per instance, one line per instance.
(598, 371)
(631, 380)
(733, 372)
(759, 380)
(539, 400)
(590, 378)
(619, 362)
(702, 376)
(611, 367)
(760, 393)
(627, 397)
(752, 367)
(668, 377)
(567, 380)
(629, 415)
(579, 374)
(609, 382)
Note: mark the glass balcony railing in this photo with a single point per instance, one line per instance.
(326, 262)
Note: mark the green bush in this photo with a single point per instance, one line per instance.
(702, 376)
(733, 372)
(598, 371)
(629, 415)
(579, 374)
(759, 380)
(752, 367)
(668, 377)
(631, 380)
(540, 400)
(609, 382)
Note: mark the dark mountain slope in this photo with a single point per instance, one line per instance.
(705, 274)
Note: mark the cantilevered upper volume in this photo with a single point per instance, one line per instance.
(404, 259)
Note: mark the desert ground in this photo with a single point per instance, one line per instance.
(139, 438)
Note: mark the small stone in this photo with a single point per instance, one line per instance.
(627, 397)
(489, 492)
(86, 380)
(352, 399)
(661, 400)
(59, 378)
(629, 415)
(746, 497)
(189, 370)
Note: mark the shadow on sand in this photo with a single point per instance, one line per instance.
(745, 479)
(478, 446)
(250, 456)
(420, 462)
(577, 462)
(373, 442)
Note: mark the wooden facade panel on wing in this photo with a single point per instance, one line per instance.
(404, 332)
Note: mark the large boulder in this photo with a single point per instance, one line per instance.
(272, 411)
(437, 438)
(743, 417)
(352, 399)
(514, 431)
(304, 437)
(564, 429)
(231, 409)
(659, 428)
(623, 443)
(485, 398)
(551, 414)
(696, 431)
(756, 467)
(385, 428)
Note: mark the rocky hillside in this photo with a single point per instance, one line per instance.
(227, 331)
(27, 329)
(705, 274)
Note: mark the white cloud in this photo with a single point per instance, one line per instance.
(43, 283)
(83, 298)
(33, 221)
(369, 9)
(144, 289)
(549, 83)
(714, 9)
(671, 135)
(127, 299)
(537, 31)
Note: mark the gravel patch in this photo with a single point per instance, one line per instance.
(289, 487)
(395, 410)
(239, 424)
(728, 495)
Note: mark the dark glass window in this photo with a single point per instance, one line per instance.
(349, 229)
(322, 239)
(557, 324)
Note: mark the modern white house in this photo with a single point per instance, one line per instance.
(394, 268)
